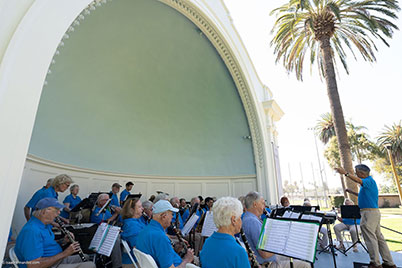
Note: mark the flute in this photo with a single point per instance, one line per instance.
(67, 233)
(250, 252)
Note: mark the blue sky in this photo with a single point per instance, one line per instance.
(371, 95)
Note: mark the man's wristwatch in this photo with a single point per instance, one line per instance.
(346, 174)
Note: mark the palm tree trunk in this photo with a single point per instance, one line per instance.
(337, 114)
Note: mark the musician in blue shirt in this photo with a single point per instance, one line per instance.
(147, 213)
(370, 216)
(30, 206)
(126, 192)
(252, 224)
(71, 201)
(347, 224)
(209, 202)
(154, 241)
(35, 245)
(221, 249)
(115, 204)
(98, 216)
(132, 225)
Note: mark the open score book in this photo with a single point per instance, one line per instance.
(294, 239)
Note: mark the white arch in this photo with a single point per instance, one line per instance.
(29, 53)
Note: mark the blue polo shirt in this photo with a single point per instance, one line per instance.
(130, 230)
(252, 226)
(368, 194)
(185, 215)
(351, 221)
(154, 241)
(180, 220)
(36, 240)
(143, 220)
(263, 217)
(35, 198)
(104, 216)
(123, 195)
(72, 201)
(115, 200)
(221, 250)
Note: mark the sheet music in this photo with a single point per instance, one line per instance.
(290, 238)
(104, 239)
(108, 242)
(189, 225)
(209, 226)
(291, 215)
(311, 217)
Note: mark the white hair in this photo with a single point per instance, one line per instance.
(161, 196)
(223, 210)
(100, 197)
(250, 198)
(348, 200)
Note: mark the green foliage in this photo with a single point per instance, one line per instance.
(392, 137)
(385, 189)
(301, 26)
(336, 200)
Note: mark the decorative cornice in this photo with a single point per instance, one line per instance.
(207, 27)
(57, 165)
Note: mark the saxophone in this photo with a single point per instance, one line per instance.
(250, 252)
(64, 230)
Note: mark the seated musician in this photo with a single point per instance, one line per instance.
(105, 215)
(221, 249)
(347, 224)
(115, 204)
(323, 239)
(177, 219)
(154, 241)
(132, 226)
(30, 206)
(71, 201)
(126, 192)
(252, 225)
(183, 206)
(36, 245)
(147, 214)
(285, 201)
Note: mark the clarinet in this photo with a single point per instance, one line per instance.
(180, 237)
(265, 213)
(250, 252)
(147, 219)
(67, 233)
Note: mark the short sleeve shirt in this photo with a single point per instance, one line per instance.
(115, 200)
(35, 198)
(123, 195)
(154, 241)
(36, 240)
(252, 228)
(130, 230)
(72, 201)
(368, 194)
(221, 250)
(104, 216)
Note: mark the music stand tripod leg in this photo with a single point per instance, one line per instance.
(358, 241)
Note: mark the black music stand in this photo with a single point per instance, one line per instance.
(301, 209)
(131, 196)
(352, 212)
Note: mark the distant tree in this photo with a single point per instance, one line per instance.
(319, 30)
(392, 136)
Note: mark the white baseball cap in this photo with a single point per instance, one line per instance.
(162, 206)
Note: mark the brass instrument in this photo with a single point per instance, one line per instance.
(198, 229)
(67, 233)
(250, 252)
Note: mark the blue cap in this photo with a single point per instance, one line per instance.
(162, 206)
(49, 202)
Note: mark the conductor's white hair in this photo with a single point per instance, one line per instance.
(223, 210)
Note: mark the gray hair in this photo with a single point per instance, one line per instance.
(100, 197)
(194, 199)
(49, 181)
(250, 198)
(37, 212)
(223, 210)
(348, 200)
(307, 204)
(73, 187)
(61, 179)
(363, 168)
(161, 196)
(147, 204)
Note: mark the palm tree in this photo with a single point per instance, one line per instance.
(320, 29)
(324, 128)
(391, 139)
